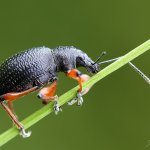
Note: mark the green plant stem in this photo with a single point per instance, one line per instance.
(46, 110)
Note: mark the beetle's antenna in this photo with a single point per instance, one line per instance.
(140, 73)
(110, 60)
(102, 54)
(132, 65)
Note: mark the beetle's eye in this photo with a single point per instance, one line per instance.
(79, 61)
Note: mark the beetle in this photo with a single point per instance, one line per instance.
(31, 69)
(34, 68)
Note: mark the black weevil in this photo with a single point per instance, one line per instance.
(30, 70)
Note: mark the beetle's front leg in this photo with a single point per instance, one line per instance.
(75, 74)
(47, 95)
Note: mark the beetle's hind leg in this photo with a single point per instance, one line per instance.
(15, 120)
(75, 74)
(10, 106)
(47, 95)
(8, 98)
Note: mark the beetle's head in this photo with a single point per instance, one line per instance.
(88, 63)
(69, 57)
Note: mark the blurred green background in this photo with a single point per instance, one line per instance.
(116, 112)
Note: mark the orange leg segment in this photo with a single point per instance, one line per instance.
(47, 93)
(15, 95)
(75, 74)
(10, 106)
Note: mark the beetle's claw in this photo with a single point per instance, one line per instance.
(57, 108)
(25, 134)
(78, 99)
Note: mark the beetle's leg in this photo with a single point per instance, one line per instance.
(10, 105)
(47, 95)
(9, 97)
(75, 74)
(15, 95)
(15, 120)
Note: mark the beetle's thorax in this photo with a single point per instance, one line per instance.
(64, 59)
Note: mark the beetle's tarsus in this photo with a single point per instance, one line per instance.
(78, 99)
(24, 134)
(57, 108)
(73, 101)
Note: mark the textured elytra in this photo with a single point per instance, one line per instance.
(22, 70)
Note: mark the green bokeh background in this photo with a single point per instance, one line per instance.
(116, 112)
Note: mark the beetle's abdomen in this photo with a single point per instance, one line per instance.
(19, 72)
